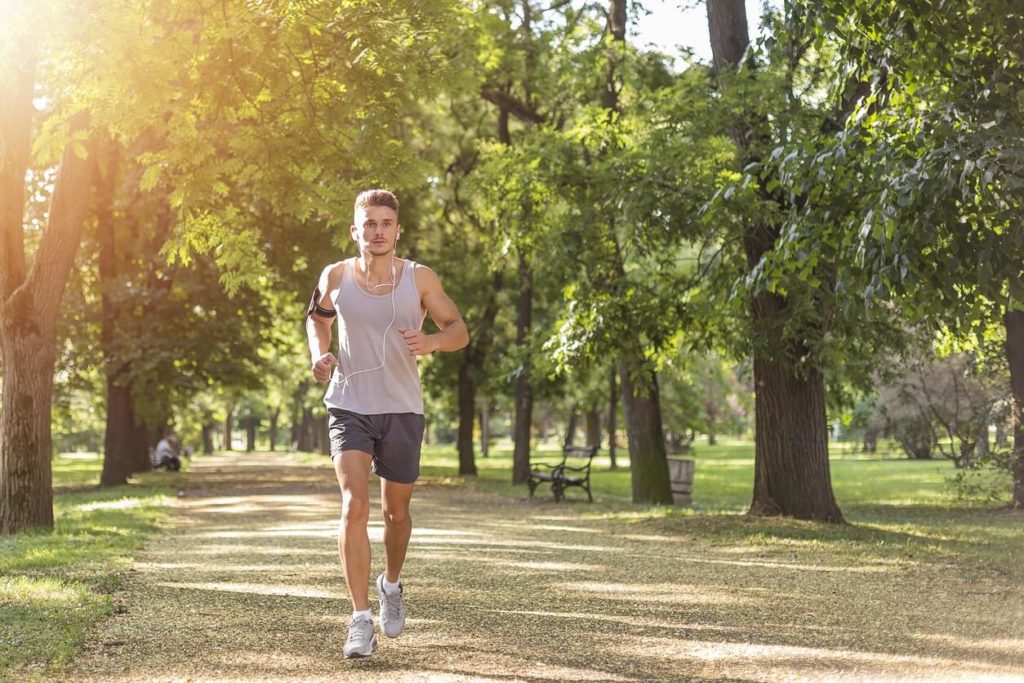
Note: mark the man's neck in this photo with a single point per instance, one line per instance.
(376, 269)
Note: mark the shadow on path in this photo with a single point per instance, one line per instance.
(245, 585)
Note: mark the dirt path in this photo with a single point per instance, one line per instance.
(245, 585)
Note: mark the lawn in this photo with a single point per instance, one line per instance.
(897, 509)
(724, 476)
(54, 585)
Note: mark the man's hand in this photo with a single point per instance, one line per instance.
(419, 344)
(322, 367)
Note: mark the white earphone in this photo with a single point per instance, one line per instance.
(337, 378)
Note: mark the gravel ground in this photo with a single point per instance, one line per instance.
(245, 585)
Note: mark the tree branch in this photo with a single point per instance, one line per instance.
(15, 142)
(517, 108)
(63, 233)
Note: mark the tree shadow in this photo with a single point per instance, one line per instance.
(248, 585)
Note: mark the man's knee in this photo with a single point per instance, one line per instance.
(396, 514)
(355, 509)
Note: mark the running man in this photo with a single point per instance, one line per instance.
(374, 399)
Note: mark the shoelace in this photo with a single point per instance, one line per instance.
(357, 629)
(393, 606)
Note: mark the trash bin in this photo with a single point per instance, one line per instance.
(680, 474)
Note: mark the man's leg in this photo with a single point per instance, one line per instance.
(353, 470)
(395, 499)
(397, 529)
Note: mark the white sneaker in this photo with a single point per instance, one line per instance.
(360, 642)
(392, 609)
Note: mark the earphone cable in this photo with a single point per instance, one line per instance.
(384, 340)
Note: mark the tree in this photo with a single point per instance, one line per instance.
(30, 294)
(791, 439)
(938, 220)
(942, 403)
(601, 247)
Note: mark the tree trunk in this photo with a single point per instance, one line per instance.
(229, 427)
(467, 415)
(485, 428)
(593, 421)
(30, 303)
(26, 491)
(966, 454)
(870, 441)
(473, 357)
(274, 415)
(1002, 439)
(121, 458)
(307, 431)
(613, 409)
(123, 453)
(647, 458)
(298, 399)
(1014, 322)
(791, 468)
(208, 438)
(524, 390)
(323, 435)
(250, 433)
(570, 428)
(982, 442)
(727, 28)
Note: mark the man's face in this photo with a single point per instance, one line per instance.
(375, 230)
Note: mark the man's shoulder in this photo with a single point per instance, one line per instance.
(331, 274)
(422, 272)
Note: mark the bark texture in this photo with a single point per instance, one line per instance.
(474, 355)
(1014, 321)
(647, 457)
(29, 304)
(791, 468)
(467, 414)
(613, 409)
(524, 387)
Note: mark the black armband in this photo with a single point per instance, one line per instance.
(316, 308)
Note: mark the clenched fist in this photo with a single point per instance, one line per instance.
(322, 367)
(419, 344)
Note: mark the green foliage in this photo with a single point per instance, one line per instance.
(247, 113)
(702, 394)
(935, 148)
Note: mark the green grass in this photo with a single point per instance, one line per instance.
(897, 509)
(54, 585)
(724, 476)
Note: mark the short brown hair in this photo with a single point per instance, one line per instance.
(377, 197)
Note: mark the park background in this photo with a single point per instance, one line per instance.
(793, 255)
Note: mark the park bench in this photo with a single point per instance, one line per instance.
(572, 470)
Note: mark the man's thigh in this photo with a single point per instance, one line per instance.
(353, 471)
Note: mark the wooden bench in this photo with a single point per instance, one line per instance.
(573, 470)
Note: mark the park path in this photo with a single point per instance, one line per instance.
(244, 584)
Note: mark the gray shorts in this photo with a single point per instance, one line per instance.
(393, 439)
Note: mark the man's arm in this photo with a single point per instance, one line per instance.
(442, 310)
(318, 326)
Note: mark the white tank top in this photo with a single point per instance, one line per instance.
(362, 320)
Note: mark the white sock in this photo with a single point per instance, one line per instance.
(390, 587)
(365, 613)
